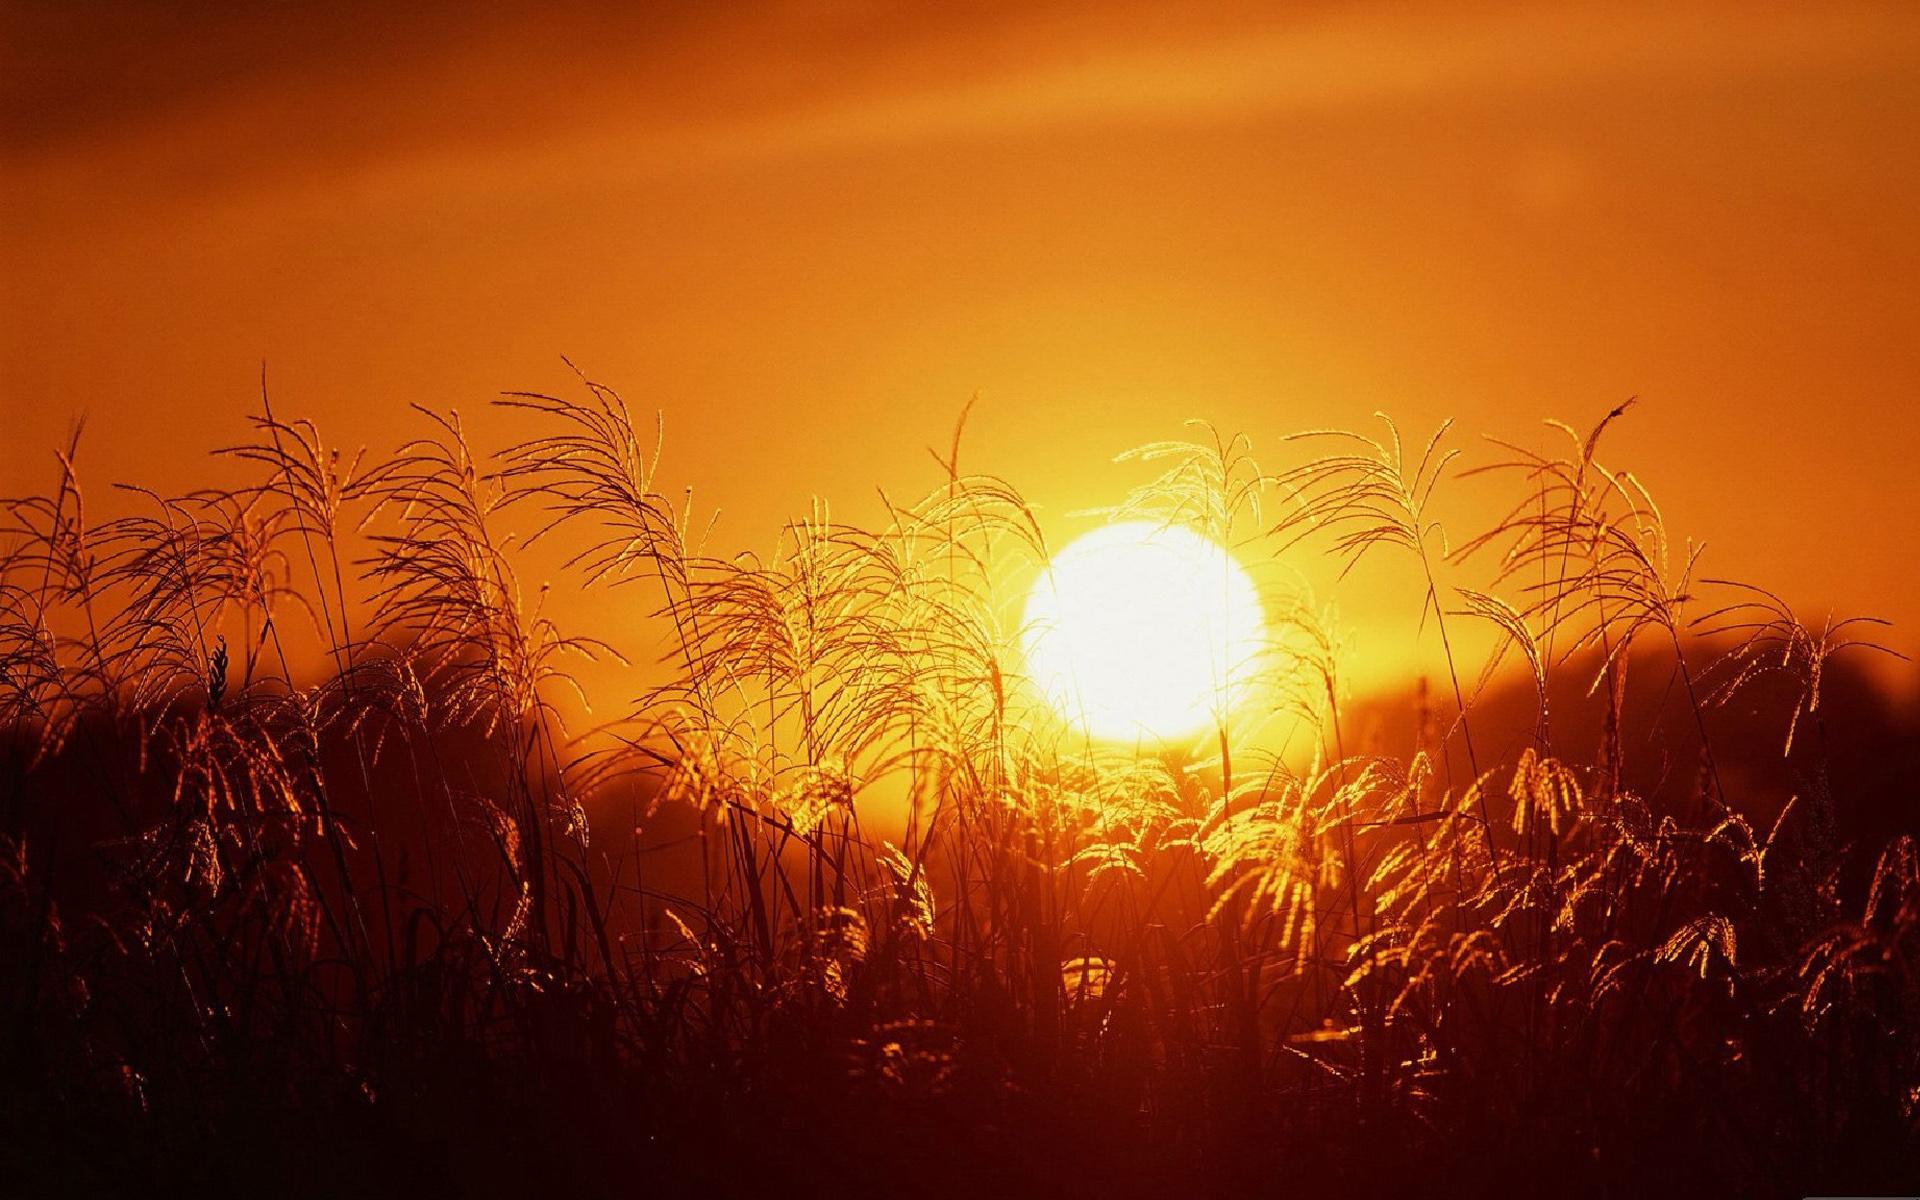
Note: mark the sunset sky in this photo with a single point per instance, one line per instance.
(809, 233)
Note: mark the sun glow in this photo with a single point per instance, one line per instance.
(1142, 630)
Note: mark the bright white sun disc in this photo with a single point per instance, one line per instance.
(1142, 630)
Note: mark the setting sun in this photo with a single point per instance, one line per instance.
(1142, 630)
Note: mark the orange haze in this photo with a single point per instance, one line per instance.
(810, 233)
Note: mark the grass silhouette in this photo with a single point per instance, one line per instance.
(398, 929)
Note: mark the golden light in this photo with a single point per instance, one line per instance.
(1142, 630)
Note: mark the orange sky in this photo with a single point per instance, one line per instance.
(810, 233)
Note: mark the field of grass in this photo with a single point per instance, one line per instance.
(842, 906)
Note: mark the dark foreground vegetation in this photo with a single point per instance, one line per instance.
(1632, 911)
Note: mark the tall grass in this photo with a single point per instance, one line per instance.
(841, 871)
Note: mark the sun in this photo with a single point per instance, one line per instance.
(1142, 630)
